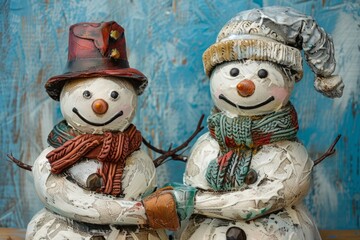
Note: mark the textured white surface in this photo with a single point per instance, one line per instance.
(69, 200)
(283, 179)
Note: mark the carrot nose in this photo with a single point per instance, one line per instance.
(99, 106)
(245, 88)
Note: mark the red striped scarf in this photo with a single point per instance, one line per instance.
(110, 148)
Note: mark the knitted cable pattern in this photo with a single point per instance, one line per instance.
(239, 138)
(110, 148)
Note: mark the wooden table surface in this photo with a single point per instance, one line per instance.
(19, 234)
(12, 234)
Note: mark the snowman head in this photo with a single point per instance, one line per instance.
(98, 89)
(257, 58)
(250, 87)
(98, 104)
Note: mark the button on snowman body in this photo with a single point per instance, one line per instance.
(250, 171)
(92, 177)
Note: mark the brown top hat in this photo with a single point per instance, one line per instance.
(96, 49)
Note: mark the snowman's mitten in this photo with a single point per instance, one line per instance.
(166, 207)
(160, 209)
(185, 197)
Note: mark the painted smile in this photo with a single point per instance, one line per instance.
(119, 114)
(270, 99)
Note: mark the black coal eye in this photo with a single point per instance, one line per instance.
(262, 73)
(234, 72)
(86, 94)
(114, 94)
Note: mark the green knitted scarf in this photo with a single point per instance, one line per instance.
(240, 137)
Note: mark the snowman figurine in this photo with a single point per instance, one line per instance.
(93, 175)
(250, 171)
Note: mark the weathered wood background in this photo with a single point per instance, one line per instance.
(165, 40)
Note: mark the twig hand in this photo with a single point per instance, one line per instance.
(173, 152)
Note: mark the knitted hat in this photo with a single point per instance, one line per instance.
(278, 35)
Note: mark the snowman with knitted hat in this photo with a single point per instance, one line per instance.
(93, 176)
(250, 171)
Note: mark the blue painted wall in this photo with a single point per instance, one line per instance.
(165, 40)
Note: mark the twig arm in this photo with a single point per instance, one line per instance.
(176, 157)
(173, 152)
(19, 163)
(329, 152)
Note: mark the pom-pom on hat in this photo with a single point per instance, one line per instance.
(96, 50)
(278, 35)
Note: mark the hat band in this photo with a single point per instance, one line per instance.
(95, 64)
(254, 49)
(247, 37)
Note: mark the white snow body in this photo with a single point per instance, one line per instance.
(73, 212)
(274, 200)
(68, 206)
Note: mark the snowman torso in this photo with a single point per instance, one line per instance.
(267, 207)
(58, 191)
(284, 162)
(76, 213)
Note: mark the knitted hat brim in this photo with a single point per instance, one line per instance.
(253, 49)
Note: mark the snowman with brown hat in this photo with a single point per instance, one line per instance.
(93, 175)
(250, 171)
